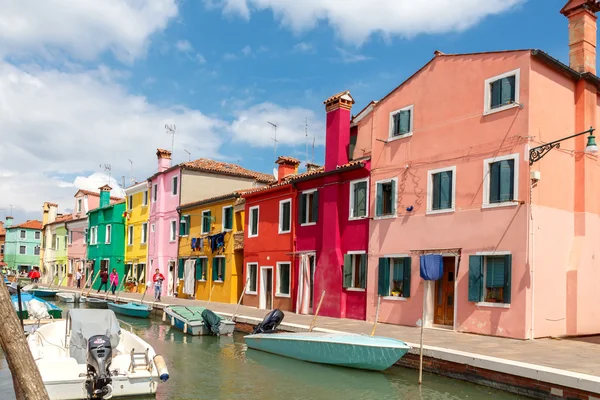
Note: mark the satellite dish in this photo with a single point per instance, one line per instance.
(275, 173)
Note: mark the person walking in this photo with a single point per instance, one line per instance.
(158, 279)
(78, 278)
(103, 281)
(114, 280)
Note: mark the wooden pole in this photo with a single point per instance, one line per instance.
(20, 360)
(92, 285)
(85, 284)
(376, 315)
(312, 324)
(240, 301)
(144, 295)
(421, 344)
(117, 292)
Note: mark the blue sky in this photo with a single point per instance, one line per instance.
(84, 87)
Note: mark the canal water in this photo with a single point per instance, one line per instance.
(210, 368)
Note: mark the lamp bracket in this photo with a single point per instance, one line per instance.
(537, 153)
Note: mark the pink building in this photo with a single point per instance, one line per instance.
(453, 174)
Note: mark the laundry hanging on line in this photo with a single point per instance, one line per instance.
(217, 241)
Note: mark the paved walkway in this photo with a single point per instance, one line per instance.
(571, 355)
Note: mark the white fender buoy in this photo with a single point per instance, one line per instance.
(161, 367)
(172, 321)
(185, 328)
(164, 316)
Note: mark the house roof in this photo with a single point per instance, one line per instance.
(220, 167)
(29, 224)
(90, 193)
(61, 219)
(233, 195)
(287, 160)
(2, 230)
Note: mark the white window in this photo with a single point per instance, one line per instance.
(36, 251)
(130, 202)
(227, 218)
(145, 198)
(285, 217)
(152, 228)
(490, 277)
(154, 192)
(94, 235)
(251, 276)
(56, 241)
(66, 240)
(23, 234)
(309, 207)
(22, 249)
(502, 92)
(401, 123)
(441, 190)
(385, 204)
(206, 222)
(501, 181)
(108, 234)
(219, 269)
(359, 198)
(70, 236)
(283, 279)
(173, 231)
(174, 185)
(355, 270)
(130, 235)
(253, 221)
(144, 233)
(79, 205)
(37, 235)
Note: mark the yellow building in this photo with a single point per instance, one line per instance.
(136, 236)
(211, 252)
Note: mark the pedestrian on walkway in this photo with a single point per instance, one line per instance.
(114, 280)
(158, 279)
(78, 278)
(103, 280)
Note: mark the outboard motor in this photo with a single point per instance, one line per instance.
(270, 323)
(99, 357)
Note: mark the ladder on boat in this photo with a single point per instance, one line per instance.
(139, 360)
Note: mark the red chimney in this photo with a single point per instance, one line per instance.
(164, 159)
(582, 34)
(337, 134)
(287, 166)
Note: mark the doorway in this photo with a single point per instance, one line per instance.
(171, 279)
(444, 294)
(266, 288)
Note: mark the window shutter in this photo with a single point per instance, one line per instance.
(506, 179)
(435, 203)
(379, 206)
(494, 182)
(393, 185)
(347, 270)
(362, 271)
(496, 89)
(406, 277)
(508, 90)
(383, 283)
(181, 228)
(198, 269)
(315, 206)
(404, 121)
(229, 218)
(475, 278)
(187, 224)
(301, 208)
(494, 277)
(127, 269)
(446, 190)
(396, 127)
(223, 264)
(507, 277)
(215, 272)
(180, 269)
(254, 216)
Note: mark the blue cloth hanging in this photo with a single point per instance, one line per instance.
(432, 267)
(194, 243)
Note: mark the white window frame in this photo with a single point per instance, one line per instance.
(391, 136)
(86, 237)
(355, 268)
(486, 181)
(213, 265)
(205, 213)
(144, 238)
(351, 196)
(248, 264)
(56, 242)
(95, 228)
(79, 205)
(223, 219)
(153, 228)
(205, 258)
(108, 234)
(37, 235)
(175, 185)
(251, 221)
(278, 274)
(486, 254)
(36, 251)
(487, 97)
(66, 241)
(375, 216)
(145, 198)
(306, 205)
(23, 234)
(130, 201)
(70, 236)
(172, 230)
(390, 256)
(279, 228)
(154, 192)
(130, 235)
(23, 247)
(430, 174)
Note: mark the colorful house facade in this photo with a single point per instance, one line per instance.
(211, 257)
(136, 235)
(106, 236)
(53, 259)
(22, 246)
(516, 233)
(2, 241)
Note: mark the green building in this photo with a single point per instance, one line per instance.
(106, 236)
(22, 247)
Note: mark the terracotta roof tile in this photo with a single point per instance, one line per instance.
(29, 224)
(288, 160)
(339, 96)
(90, 193)
(62, 218)
(2, 230)
(207, 165)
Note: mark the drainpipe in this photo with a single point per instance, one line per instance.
(531, 248)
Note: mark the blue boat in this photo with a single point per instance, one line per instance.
(54, 311)
(374, 353)
(41, 292)
(131, 309)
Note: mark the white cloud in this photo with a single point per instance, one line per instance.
(184, 46)
(247, 50)
(83, 28)
(350, 57)
(98, 179)
(251, 126)
(356, 20)
(304, 47)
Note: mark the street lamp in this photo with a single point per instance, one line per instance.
(537, 153)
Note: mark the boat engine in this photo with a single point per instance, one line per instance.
(99, 357)
(270, 323)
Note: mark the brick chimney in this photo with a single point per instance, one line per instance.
(287, 166)
(164, 159)
(582, 34)
(105, 196)
(9, 222)
(337, 133)
(312, 167)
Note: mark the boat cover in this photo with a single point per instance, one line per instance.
(88, 323)
(212, 321)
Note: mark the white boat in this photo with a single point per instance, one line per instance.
(88, 355)
(66, 297)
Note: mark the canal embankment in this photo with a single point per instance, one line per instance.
(541, 369)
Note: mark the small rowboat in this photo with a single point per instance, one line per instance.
(96, 303)
(66, 297)
(131, 309)
(53, 310)
(190, 320)
(41, 292)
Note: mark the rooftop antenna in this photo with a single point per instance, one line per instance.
(189, 155)
(171, 130)
(107, 168)
(131, 178)
(306, 135)
(274, 138)
(313, 147)
(11, 207)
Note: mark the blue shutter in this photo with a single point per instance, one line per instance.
(379, 200)
(315, 206)
(362, 272)
(383, 283)
(347, 270)
(404, 121)
(446, 189)
(393, 202)
(436, 187)
(508, 90)
(494, 277)
(496, 94)
(475, 278)
(507, 278)
(406, 276)
(180, 269)
(507, 182)
(494, 182)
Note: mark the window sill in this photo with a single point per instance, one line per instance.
(492, 305)
(394, 298)
(284, 232)
(143, 244)
(354, 289)
(282, 295)
(227, 229)
(308, 223)
(489, 111)
(252, 236)
(358, 218)
(254, 293)
(384, 217)
(394, 138)
(183, 236)
(500, 205)
(444, 211)
(204, 233)
(201, 280)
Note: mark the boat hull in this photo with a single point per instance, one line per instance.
(96, 303)
(197, 328)
(43, 292)
(131, 309)
(66, 297)
(353, 351)
(74, 389)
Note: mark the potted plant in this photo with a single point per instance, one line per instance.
(130, 284)
(397, 289)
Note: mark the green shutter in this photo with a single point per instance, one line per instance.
(300, 206)
(496, 89)
(351, 146)
(315, 206)
(181, 227)
(508, 90)
(228, 218)
(507, 277)
(362, 272)
(347, 270)
(494, 277)
(495, 182)
(393, 185)
(254, 227)
(180, 269)
(379, 199)
(396, 127)
(404, 121)
(383, 283)
(475, 278)
(215, 273)
(223, 265)
(436, 187)
(187, 224)
(406, 277)
(302, 209)
(199, 269)
(446, 189)
(507, 174)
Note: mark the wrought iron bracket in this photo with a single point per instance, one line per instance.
(537, 153)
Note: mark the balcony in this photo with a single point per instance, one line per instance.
(238, 240)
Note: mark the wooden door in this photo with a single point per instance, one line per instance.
(444, 295)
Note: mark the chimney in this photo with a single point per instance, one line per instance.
(105, 196)
(164, 159)
(312, 167)
(50, 211)
(337, 134)
(9, 222)
(582, 34)
(287, 166)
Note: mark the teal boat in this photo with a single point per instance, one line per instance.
(374, 353)
(131, 309)
(54, 311)
(190, 320)
(41, 292)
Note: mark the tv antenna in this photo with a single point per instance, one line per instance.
(274, 138)
(306, 135)
(107, 168)
(131, 178)
(313, 147)
(189, 155)
(171, 130)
